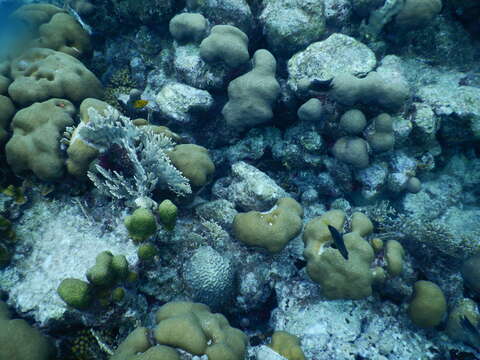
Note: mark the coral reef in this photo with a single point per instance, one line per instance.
(239, 179)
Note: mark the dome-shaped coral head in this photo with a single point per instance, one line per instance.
(116, 159)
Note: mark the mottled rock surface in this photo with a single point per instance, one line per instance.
(325, 59)
(180, 103)
(290, 25)
(249, 188)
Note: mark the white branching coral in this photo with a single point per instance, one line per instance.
(142, 152)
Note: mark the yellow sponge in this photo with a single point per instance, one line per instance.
(287, 345)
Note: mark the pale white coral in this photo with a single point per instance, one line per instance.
(146, 153)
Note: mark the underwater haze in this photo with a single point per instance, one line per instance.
(240, 180)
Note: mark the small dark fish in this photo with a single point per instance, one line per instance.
(321, 85)
(473, 330)
(468, 326)
(338, 241)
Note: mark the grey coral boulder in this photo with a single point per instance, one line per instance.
(188, 27)
(338, 12)
(385, 88)
(323, 60)
(373, 179)
(220, 211)
(290, 25)
(251, 97)
(425, 125)
(229, 12)
(180, 103)
(191, 69)
(457, 106)
(226, 44)
(402, 168)
(311, 110)
(249, 188)
(417, 13)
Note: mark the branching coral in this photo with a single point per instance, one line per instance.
(147, 165)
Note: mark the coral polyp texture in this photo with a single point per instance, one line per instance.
(239, 179)
(35, 144)
(40, 74)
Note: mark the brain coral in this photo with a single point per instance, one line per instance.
(210, 276)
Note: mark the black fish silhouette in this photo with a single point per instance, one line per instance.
(471, 329)
(338, 242)
(468, 326)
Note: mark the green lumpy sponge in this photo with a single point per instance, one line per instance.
(76, 293)
(428, 305)
(141, 224)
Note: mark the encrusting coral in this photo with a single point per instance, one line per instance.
(272, 229)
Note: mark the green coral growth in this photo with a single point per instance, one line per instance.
(271, 230)
(108, 269)
(76, 293)
(20, 341)
(141, 224)
(137, 342)
(103, 277)
(118, 294)
(167, 212)
(287, 345)
(428, 306)
(341, 278)
(16, 193)
(193, 328)
(146, 252)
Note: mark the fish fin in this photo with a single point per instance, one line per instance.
(468, 325)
